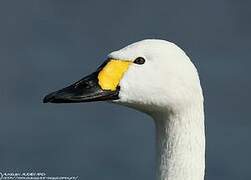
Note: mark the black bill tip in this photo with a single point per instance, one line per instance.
(48, 98)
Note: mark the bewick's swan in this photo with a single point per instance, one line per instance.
(157, 78)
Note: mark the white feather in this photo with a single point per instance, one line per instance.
(167, 87)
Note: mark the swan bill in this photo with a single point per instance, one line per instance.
(102, 85)
(85, 90)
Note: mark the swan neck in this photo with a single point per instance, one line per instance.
(181, 145)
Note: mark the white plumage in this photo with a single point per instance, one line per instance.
(167, 87)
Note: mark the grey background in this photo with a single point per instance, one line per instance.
(45, 45)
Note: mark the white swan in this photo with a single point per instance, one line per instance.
(158, 78)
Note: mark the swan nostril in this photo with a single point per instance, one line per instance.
(87, 86)
(84, 84)
(76, 85)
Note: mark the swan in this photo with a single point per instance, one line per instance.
(155, 77)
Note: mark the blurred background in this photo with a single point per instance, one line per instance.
(46, 45)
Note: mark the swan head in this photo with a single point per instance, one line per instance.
(149, 75)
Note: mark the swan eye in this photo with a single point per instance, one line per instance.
(139, 60)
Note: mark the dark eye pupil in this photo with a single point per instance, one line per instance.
(139, 60)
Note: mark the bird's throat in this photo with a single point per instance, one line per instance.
(181, 145)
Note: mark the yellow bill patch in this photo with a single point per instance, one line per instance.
(110, 76)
